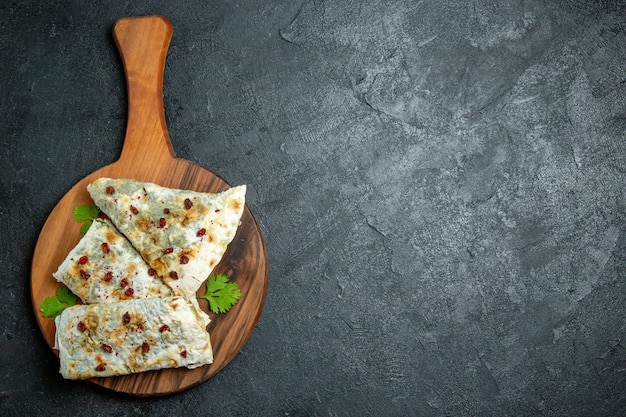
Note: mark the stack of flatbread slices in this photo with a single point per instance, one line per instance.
(137, 272)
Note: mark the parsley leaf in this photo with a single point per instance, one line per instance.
(85, 227)
(54, 305)
(66, 296)
(86, 214)
(51, 307)
(82, 213)
(221, 294)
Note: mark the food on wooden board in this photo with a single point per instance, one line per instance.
(151, 254)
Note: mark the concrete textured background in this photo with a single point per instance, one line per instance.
(440, 185)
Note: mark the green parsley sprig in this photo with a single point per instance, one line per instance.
(221, 293)
(86, 214)
(54, 305)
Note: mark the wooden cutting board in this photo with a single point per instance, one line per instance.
(147, 155)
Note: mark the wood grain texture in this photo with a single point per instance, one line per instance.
(147, 155)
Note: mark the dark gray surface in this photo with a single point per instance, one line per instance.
(440, 186)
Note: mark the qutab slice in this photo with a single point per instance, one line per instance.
(181, 234)
(98, 340)
(104, 268)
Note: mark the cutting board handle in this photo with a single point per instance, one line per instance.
(142, 43)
